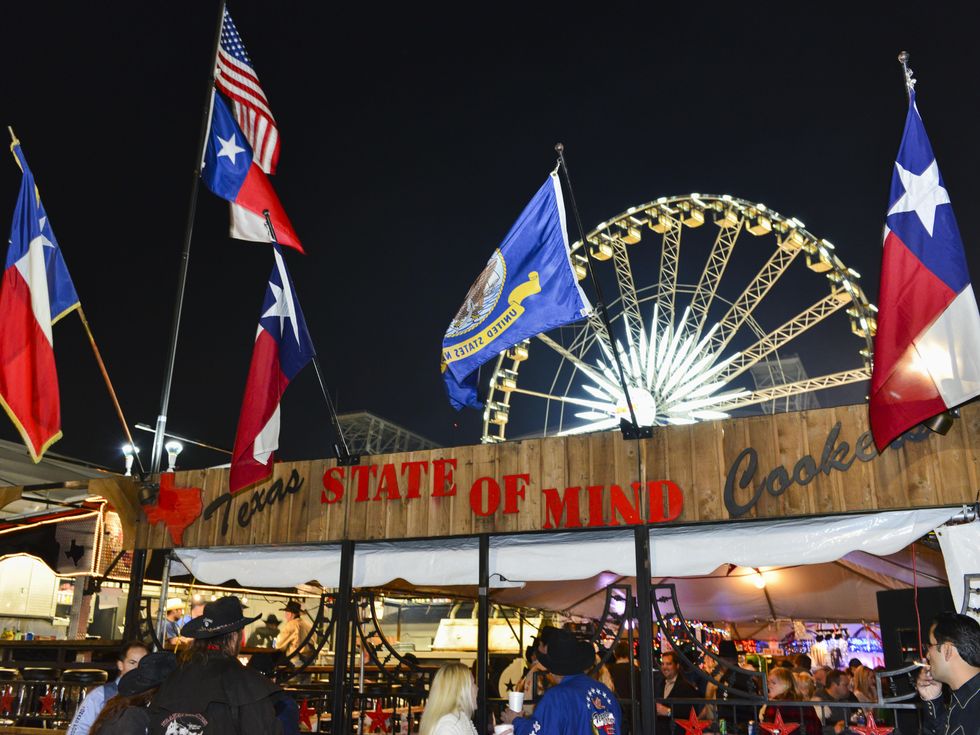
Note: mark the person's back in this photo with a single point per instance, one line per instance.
(215, 694)
(577, 705)
(211, 692)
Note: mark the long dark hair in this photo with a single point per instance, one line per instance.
(203, 650)
(115, 706)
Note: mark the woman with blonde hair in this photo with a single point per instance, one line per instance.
(451, 703)
(782, 686)
(865, 689)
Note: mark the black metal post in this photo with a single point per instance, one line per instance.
(131, 630)
(648, 714)
(483, 637)
(600, 304)
(161, 425)
(342, 617)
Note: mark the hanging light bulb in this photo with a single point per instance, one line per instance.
(759, 580)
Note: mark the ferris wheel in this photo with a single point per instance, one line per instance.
(689, 331)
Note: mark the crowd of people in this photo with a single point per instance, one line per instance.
(206, 689)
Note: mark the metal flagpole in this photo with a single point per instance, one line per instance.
(161, 425)
(636, 432)
(91, 338)
(344, 456)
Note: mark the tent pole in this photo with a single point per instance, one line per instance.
(483, 635)
(342, 617)
(648, 719)
(161, 624)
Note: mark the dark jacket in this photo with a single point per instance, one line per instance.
(129, 721)
(682, 689)
(959, 716)
(215, 697)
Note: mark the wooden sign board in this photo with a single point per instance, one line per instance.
(792, 464)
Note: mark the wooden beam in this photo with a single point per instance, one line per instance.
(121, 492)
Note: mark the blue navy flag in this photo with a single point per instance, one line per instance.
(527, 287)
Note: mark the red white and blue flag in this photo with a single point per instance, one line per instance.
(927, 347)
(282, 348)
(35, 293)
(235, 76)
(230, 173)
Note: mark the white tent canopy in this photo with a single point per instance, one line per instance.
(823, 568)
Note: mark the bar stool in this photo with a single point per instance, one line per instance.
(39, 696)
(74, 687)
(10, 690)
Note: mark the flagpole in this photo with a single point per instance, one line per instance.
(161, 425)
(108, 383)
(903, 59)
(636, 432)
(344, 456)
(14, 142)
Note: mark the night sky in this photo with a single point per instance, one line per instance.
(412, 136)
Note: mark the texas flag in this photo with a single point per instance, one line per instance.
(282, 348)
(36, 292)
(927, 348)
(230, 173)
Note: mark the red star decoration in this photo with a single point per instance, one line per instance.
(47, 704)
(692, 725)
(177, 507)
(306, 713)
(379, 718)
(778, 727)
(872, 728)
(7, 701)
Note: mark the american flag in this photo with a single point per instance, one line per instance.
(235, 77)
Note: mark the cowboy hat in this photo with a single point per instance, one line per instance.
(219, 617)
(566, 654)
(271, 619)
(174, 603)
(153, 668)
(293, 607)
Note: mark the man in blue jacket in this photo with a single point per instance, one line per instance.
(577, 704)
(88, 711)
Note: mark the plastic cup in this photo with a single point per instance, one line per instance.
(515, 701)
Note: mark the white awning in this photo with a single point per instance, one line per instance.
(596, 556)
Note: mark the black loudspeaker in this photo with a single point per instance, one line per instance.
(900, 637)
(899, 629)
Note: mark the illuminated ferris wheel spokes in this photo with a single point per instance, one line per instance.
(679, 368)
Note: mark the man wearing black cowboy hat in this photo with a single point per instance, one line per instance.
(577, 704)
(265, 635)
(211, 691)
(294, 632)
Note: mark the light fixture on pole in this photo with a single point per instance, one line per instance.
(129, 452)
(173, 448)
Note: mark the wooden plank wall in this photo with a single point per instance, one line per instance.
(933, 471)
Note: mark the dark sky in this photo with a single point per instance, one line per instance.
(412, 136)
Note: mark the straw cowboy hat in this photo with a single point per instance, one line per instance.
(174, 603)
(219, 617)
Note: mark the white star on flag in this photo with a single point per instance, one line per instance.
(229, 148)
(283, 306)
(923, 194)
